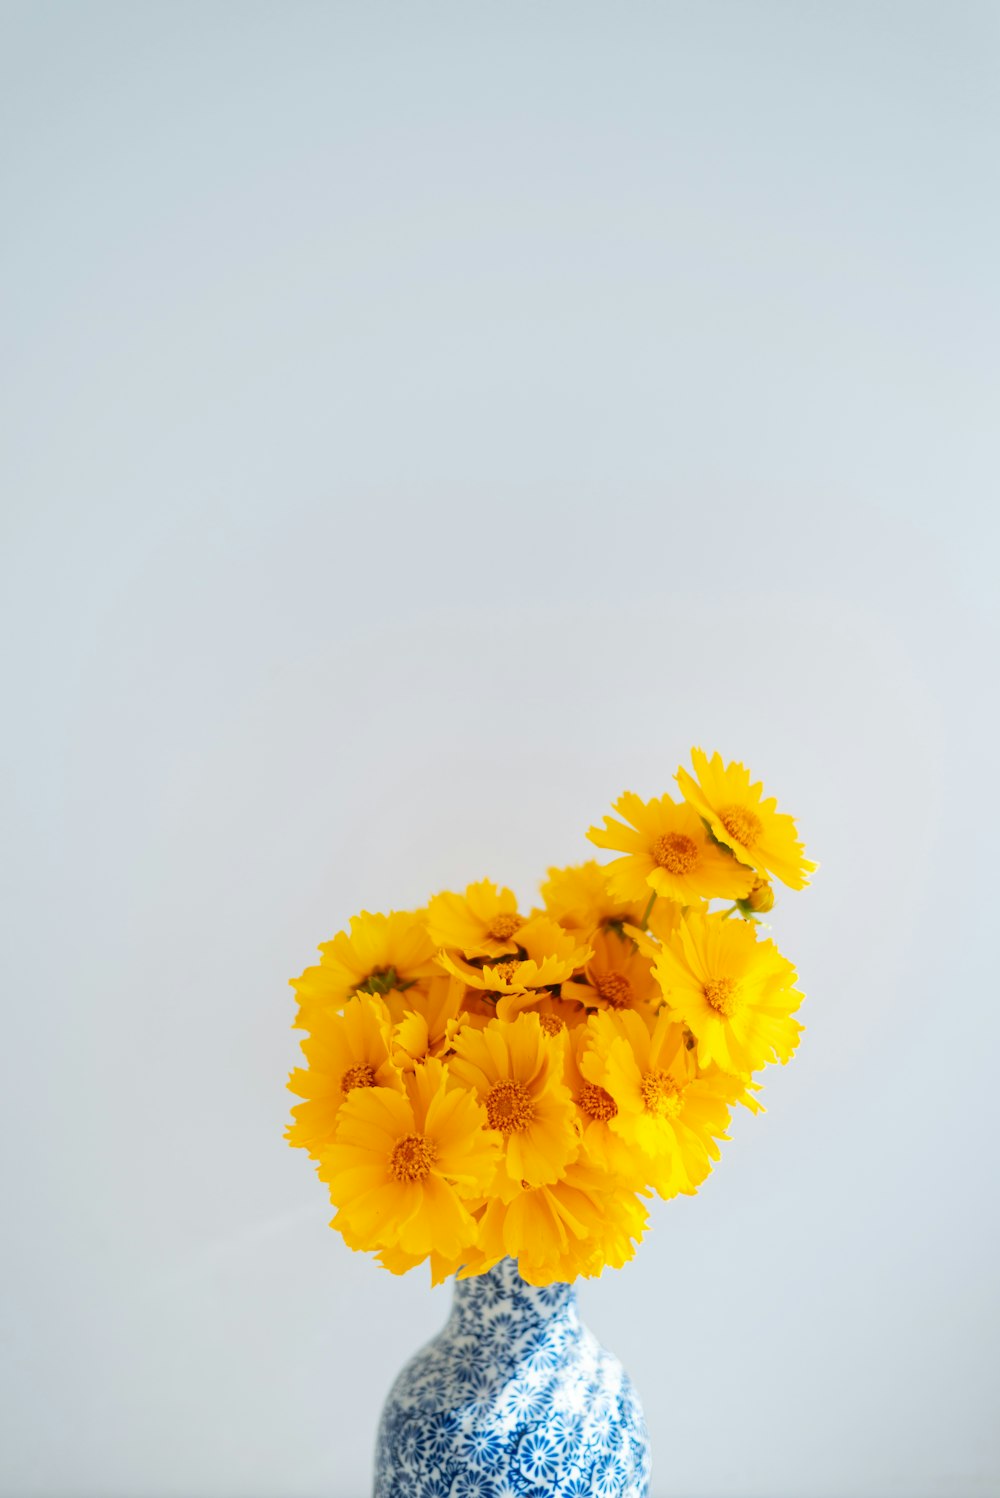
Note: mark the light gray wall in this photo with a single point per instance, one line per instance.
(421, 424)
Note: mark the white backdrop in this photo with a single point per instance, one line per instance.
(421, 424)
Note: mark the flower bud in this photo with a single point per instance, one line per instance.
(761, 897)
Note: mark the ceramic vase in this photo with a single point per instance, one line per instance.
(513, 1399)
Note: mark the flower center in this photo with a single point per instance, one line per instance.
(596, 1102)
(357, 1076)
(661, 1094)
(551, 1023)
(508, 1106)
(615, 990)
(506, 971)
(742, 824)
(503, 926)
(676, 852)
(723, 995)
(412, 1158)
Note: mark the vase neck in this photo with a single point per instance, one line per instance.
(503, 1289)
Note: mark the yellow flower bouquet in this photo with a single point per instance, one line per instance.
(483, 1083)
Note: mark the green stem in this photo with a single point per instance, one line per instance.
(648, 910)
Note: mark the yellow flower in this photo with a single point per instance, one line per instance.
(552, 956)
(557, 1016)
(479, 1006)
(579, 899)
(734, 1088)
(397, 1261)
(480, 923)
(403, 1165)
(736, 994)
(663, 920)
(601, 1145)
(345, 1051)
(400, 1263)
(617, 975)
(382, 953)
(761, 898)
(667, 850)
(759, 835)
(662, 1106)
(425, 1023)
(515, 1070)
(576, 1226)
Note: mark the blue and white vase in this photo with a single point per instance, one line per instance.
(513, 1399)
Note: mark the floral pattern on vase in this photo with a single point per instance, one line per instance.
(515, 1398)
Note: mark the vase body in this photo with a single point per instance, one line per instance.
(513, 1399)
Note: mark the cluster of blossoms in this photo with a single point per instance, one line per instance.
(483, 1083)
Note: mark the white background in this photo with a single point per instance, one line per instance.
(422, 423)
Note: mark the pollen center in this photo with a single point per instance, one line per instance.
(676, 852)
(503, 926)
(723, 995)
(596, 1102)
(615, 990)
(551, 1023)
(357, 1076)
(506, 971)
(412, 1157)
(509, 1107)
(742, 824)
(661, 1094)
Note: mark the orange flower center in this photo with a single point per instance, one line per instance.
(660, 1094)
(509, 1107)
(412, 1158)
(596, 1102)
(551, 1023)
(742, 824)
(503, 926)
(506, 972)
(357, 1076)
(676, 852)
(723, 995)
(615, 990)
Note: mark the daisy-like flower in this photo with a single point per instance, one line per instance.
(552, 955)
(558, 1232)
(515, 1069)
(481, 923)
(398, 1262)
(734, 1088)
(381, 953)
(735, 994)
(557, 1016)
(760, 899)
(661, 923)
(760, 836)
(667, 850)
(404, 1164)
(344, 1051)
(425, 1023)
(661, 1105)
(600, 1145)
(579, 899)
(479, 1006)
(617, 975)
